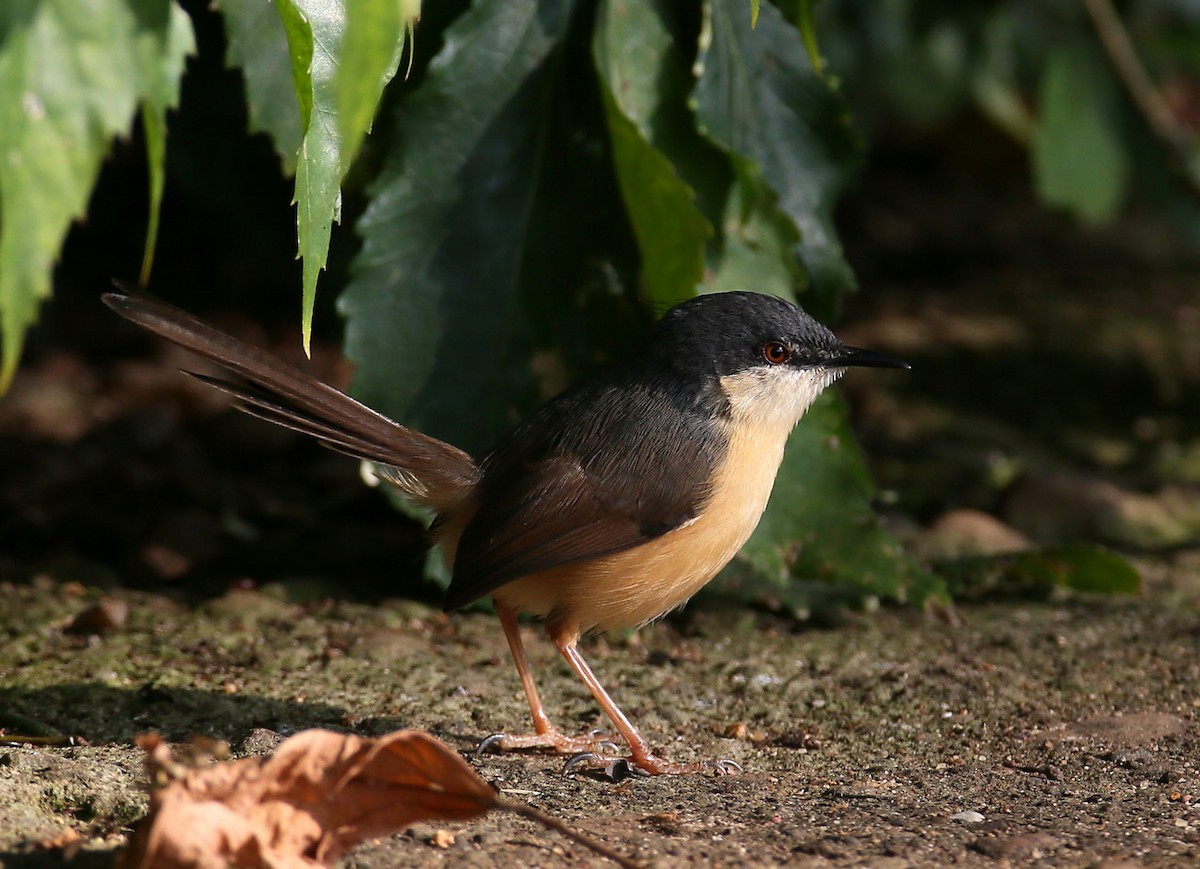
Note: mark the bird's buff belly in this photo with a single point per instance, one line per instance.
(638, 585)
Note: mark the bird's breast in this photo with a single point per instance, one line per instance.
(638, 585)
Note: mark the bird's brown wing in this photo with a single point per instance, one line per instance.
(582, 503)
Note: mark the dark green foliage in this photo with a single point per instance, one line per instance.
(1076, 566)
(1097, 119)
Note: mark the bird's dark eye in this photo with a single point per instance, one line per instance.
(776, 352)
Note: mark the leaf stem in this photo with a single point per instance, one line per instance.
(563, 830)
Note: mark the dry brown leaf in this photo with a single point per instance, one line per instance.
(66, 841)
(316, 797)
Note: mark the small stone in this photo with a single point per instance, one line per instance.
(1022, 848)
(737, 730)
(260, 741)
(107, 615)
(960, 533)
(968, 817)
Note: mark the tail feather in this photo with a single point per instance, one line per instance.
(259, 404)
(432, 472)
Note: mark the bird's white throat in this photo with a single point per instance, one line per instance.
(776, 396)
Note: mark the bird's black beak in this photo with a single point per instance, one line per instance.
(856, 356)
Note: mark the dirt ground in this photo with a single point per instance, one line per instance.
(245, 578)
(1056, 733)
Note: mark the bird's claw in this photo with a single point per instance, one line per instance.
(489, 742)
(620, 768)
(578, 758)
(725, 766)
(597, 760)
(613, 768)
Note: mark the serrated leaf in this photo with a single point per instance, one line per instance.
(636, 58)
(317, 39)
(758, 242)
(439, 308)
(154, 127)
(1079, 159)
(640, 53)
(670, 231)
(758, 98)
(299, 36)
(370, 54)
(72, 73)
(820, 525)
(161, 95)
(314, 29)
(257, 44)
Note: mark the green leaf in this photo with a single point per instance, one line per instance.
(314, 29)
(72, 74)
(442, 312)
(759, 99)
(791, 151)
(820, 525)
(299, 36)
(257, 43)
(336, 71)
(1079, 158)
(808, 32)
(154, 125)
(370, 55)
(805, 20)
(1078, 566)
(161, 95)
(1082, 567)
(647, 78)
(640, 54)
(758, 242)
(670, 231)
(641, 74)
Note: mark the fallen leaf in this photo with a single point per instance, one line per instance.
(315, 798)
(67, 842)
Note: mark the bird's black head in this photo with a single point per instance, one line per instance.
(728, 333)
(768, 358)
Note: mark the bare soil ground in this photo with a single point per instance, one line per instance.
(1056, 387)
(1057, 733)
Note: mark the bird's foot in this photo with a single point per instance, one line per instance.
(621, 768)
(595, 742)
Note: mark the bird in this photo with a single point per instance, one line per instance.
(608, 507)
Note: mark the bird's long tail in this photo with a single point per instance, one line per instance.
(430, 471)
